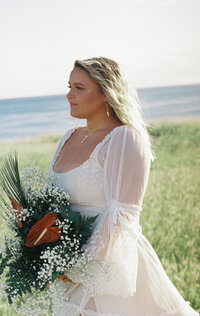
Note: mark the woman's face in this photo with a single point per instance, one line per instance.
(85, 97)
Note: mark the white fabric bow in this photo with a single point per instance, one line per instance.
(116, 208)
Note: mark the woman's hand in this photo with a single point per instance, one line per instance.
(65, 278)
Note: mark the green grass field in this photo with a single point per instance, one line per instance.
(171, 207)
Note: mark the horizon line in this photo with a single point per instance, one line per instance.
(138, 88)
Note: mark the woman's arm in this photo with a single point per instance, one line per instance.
(126, 172)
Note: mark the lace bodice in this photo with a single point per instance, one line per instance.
(84, 183)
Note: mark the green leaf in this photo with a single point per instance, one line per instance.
(73, 216)
(55, 275)
(63, 211)
(10, 179)
(10, 300)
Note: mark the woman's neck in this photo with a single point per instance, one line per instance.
(93, 125)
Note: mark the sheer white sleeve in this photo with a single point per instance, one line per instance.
(126, 172)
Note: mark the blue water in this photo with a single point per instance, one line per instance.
(171, 102)
(23, 118)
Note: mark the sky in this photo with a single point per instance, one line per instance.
(156, 42)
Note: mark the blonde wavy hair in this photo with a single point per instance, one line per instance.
(123, 100)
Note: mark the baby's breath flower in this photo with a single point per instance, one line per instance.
(66, 256)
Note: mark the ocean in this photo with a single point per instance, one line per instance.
(24, 118)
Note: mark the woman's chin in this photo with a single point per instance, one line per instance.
(77, 115)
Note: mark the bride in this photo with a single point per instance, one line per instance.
(105, 167)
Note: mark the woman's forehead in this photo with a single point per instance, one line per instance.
(79, 75)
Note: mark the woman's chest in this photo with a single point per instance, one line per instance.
(85, 183)
(73, 154)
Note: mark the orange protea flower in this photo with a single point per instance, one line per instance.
(18, 207)
(43, 232)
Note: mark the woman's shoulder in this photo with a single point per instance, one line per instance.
(126, 131)
(69, 131)
(72, 129)
(130, 139)
(119, 134)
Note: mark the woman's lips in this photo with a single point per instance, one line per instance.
(72, 104)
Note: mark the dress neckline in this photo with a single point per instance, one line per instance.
(92, 153)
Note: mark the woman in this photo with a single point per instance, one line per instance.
(105, 166)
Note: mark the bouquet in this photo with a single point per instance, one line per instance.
(44, 237)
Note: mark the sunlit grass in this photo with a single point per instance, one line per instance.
(171, 208)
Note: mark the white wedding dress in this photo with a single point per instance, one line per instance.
(112, 183)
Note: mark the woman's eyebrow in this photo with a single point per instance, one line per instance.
(78, 83)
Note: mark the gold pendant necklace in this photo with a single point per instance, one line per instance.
(86, 137)
(91, 134)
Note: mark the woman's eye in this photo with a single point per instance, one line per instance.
(78, 88)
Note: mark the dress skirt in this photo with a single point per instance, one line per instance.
(155, 294)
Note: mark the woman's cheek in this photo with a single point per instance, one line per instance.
(82, 96)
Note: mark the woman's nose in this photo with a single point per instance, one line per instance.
(69, 95)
